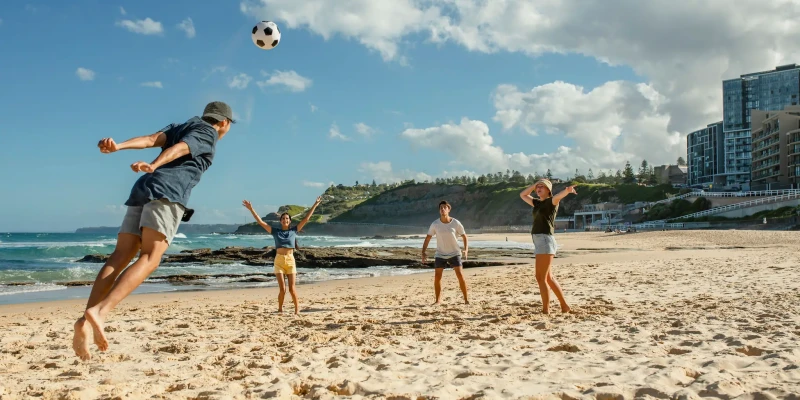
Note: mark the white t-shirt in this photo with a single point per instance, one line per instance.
(446, 237)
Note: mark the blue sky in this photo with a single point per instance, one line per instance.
(75, 73)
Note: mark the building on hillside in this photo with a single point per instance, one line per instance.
(776, 149)
(597, 215)
(671, 174)
(766, 90)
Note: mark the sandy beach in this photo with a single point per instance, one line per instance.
(656, 315)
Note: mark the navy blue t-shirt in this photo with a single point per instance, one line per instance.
(285, 238)
(174, 181)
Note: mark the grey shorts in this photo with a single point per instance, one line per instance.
(544, 244)
(452, 262)
(160, 215)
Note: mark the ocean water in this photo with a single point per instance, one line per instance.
(48, 259)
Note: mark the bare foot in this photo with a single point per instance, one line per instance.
(79, 340)
(438, 303)
(565, 308)
(546, 311)
(466, 301)
(93, 318)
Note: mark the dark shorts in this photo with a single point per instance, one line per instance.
(452, 262)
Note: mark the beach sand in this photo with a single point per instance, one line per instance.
(657, 315)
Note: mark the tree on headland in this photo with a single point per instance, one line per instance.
(644, 172)
(627, 174)
(681, 161)
(548, 174)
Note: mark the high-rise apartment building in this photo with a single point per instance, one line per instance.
(705, 156)
(766, 91)
(776, 149)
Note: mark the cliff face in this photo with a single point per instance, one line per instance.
(474, 206)
(485, 205)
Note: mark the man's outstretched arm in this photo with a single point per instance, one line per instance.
(175, 152)
(108, 145)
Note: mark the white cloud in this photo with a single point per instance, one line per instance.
(378, 25)
(313, 107)
(187, 26)
(85, 74)
(470, 145)
(468, 142)
(114, 209)
(290, 79)
(156, 84)
(143, 26)
(683, 49)
(334, 133)
(364, 129)
(614, 122)
(382, 172)
(122, 11)
(240, 81)
(314, 184)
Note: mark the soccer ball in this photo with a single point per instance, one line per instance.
(266, 35)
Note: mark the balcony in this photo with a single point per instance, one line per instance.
(757, 169)
(766, 175)
(764, 154)
(765, 144)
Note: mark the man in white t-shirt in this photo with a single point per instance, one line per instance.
(446, 229)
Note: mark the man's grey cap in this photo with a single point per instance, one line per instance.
(219, 111)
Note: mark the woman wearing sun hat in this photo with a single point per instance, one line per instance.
(545, 208)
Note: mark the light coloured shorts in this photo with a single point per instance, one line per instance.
(160, 215)
(544, 244)
(284, 264)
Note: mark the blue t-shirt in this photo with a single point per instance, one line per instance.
(174, 181)
(285, 238)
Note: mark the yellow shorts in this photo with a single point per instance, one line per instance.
(284, 264)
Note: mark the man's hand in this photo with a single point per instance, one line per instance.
(424, 258)
(571, 189)
(141, 166)
(107, 145)
(466, 252)
(247, 205)
(319, 200)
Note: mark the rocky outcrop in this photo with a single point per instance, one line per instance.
(331, 257)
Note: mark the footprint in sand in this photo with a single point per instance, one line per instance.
(676, 351)
(752, 351)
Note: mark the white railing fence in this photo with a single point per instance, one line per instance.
(744, 204)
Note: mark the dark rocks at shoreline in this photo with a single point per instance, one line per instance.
(68, 284)
(381, 237)
(310, 257)
(183, 279)
(330, 257)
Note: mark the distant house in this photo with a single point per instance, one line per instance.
(671, 174)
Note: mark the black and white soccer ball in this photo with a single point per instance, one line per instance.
(266, 35)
